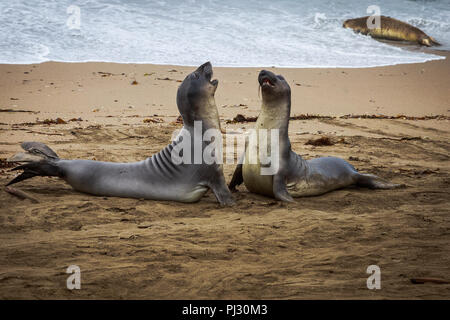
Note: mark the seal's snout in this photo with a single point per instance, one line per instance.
(205, 65)
(266, 78)
(206, 69)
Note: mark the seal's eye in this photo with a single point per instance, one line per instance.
(281, 77)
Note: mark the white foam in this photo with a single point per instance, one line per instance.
(234, 33)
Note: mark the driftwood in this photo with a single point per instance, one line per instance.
(12, 110)
(20, 194)
(430, 280)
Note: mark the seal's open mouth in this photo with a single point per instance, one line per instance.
(207, 70)
(209, 75)
(266, 81)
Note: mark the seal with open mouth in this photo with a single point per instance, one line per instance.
(295, 177)
(157, 177)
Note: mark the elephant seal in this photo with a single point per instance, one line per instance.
(295, 176)
(391, 29)
(157, 177)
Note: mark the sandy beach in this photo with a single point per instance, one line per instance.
(315, 248)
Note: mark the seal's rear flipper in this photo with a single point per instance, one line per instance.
(429, 42)
(373, 182)
(39, 160)
(35, 151)
(434, 41)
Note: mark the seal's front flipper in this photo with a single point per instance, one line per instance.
(224, 198)
(280, 190)
(221, 191)
(237, 175)
(39, 160)
(373, 182)
(223, 195)
(237, 178)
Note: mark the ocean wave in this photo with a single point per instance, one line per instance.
(259, 33)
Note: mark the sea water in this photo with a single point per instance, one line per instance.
(238, 33)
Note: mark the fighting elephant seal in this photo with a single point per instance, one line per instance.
(295, 176)
(391, 29)
(157, 177)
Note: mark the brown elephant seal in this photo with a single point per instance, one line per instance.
(158, 177)
(390, 29)
(294, 176)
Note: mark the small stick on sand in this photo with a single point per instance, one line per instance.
(21, 194)
(432, 280)
(12, 110)
(46, 133)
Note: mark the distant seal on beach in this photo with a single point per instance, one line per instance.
(295, 177)
(157, 177)
(391, 29)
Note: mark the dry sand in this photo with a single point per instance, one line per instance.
(318, 247)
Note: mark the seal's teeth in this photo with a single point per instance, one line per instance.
(267, 81)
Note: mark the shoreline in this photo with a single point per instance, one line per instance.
(434, 51)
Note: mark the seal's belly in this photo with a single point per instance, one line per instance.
(131, 180)
(251, 167)
(393, 34)
(323, 175)
(303, 188)
(193, 195)
(255, 182)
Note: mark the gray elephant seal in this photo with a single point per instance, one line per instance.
(295, 177)
(157, 177)
(391, 29)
